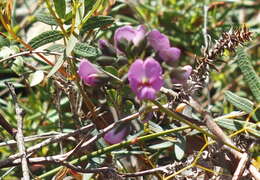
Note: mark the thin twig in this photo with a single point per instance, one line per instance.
(24, 53)
(19, 134)
(5, 162)
(31, 138)
(241, 167)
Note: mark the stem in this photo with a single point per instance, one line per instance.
(115, 147)
(179, 118)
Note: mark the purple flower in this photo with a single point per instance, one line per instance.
(180, 76)
(145, 78)
(88, 73)
(170, 55)
(129, 34)
(116, 135)
(158, 40)
(161, 44)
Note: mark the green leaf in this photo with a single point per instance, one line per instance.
(235, 125)
(239, 102)
(60, 7)
(46, 18)
(111, 70)
(71, 44)
(7, 51)
(36, 78)
(161, 145)
(45, 38)
(85, 50)
(89, 4)
(18, 66)
(57, 66)
(155, 127)
(179, 147)
(128, 107)
(4, 41)
(249, 73)
(97, 22)
(56, 48)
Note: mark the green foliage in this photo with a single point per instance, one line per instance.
(239, 102)
(85, 50)
(46, 18)
(45, 38)
(97, 22)
(249, 73)
(60, 7)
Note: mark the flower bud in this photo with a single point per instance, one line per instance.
(106, 48)
(117, 134)
(181, 75)
(90, 75)
(106, 60)
(170, 55)
(123, 45)
(122, 60)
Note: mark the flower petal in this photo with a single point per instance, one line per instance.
(88, 72)
(157, 83)
(136, 71)
(125, 32)
(86, 68)
(140, 34)
(146, 93)
(170, 55)
(152, 68)
(158, 40)
(116, 135)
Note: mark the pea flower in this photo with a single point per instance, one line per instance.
(170, 55)
(116, 135)
(88, 73)
(158, 40)
(181, 75)
(129, 34)
(145, 78)
(161, 44)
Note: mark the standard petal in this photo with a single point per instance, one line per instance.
(125, 32)
(170, 55)
(158, 40)
(136, 71)
(140, 34)
(146, 93)
(86, 68)
(152, 68)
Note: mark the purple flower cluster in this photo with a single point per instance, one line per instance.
(145, 75)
